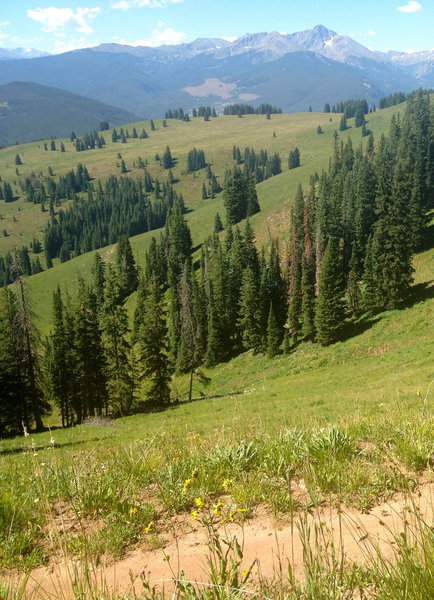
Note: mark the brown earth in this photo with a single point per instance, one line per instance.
(273, 544)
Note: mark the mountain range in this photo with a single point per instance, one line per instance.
(292, 71)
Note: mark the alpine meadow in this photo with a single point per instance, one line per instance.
(216, 322)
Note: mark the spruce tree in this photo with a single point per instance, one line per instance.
(60, 362)
(91, 398)
(26, 343)
(330, 314)
(153, 346)
(249, 314)
(126, 267)
(273, 334)
(117, 349)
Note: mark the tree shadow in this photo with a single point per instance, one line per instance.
(352, 329)
(420, 292)
(427, 241)
(25, 449)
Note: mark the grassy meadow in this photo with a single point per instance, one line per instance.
(23, 221)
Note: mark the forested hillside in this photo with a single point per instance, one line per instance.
(353, 232)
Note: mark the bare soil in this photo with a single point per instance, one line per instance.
(274, 544)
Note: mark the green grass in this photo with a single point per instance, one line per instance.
(353, 421)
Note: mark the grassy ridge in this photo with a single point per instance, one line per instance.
(23, 221)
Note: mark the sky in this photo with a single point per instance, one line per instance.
(60, 25)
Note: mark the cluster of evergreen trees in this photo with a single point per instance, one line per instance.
(120, 207)
(195, 160)
(89, 141)
(248, 109)
(6, 192)
(349, 107)
(239, 196)
(259, 164)
(30, 266)
(46, 189)
(204, 111)
(177, 113)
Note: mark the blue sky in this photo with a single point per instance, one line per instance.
(59, 25)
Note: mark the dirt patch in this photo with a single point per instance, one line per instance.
(273, 544)
(212, 87)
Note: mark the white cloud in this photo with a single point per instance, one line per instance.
(411, 7)
(54, 19)
(4, 23)
(158, 37)
(127, 4)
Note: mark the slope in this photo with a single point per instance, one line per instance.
(30, 111)
(281, 133)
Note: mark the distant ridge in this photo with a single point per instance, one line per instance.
(30, 111)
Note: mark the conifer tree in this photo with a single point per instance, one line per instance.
(126, 267)
(91, 398)
(249, 315)
(167, 159)
(308, 280)
(273, 334)
(26, 347)
(60, 362)
(330, 308)
(13, 406)
(117, 349)
(153, 345)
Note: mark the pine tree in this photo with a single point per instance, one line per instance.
(294, 159)
(308, 280)
(26, 347)
(343, 123)
(60, 362)
(152, 342)
(117, 349)
(167, 159)
(235, 198)
(13, 405)
(126, 267)
(91, 397)
(330, 308)
(273, 334)
(249, 315)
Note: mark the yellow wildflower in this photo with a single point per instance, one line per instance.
(186, 485)
(149, 527)
(198, 502)
(133, 510)
(227, 484)
(217, 508)
(194, 514)
(418, 393)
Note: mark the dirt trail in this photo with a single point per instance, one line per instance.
(263, 538)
